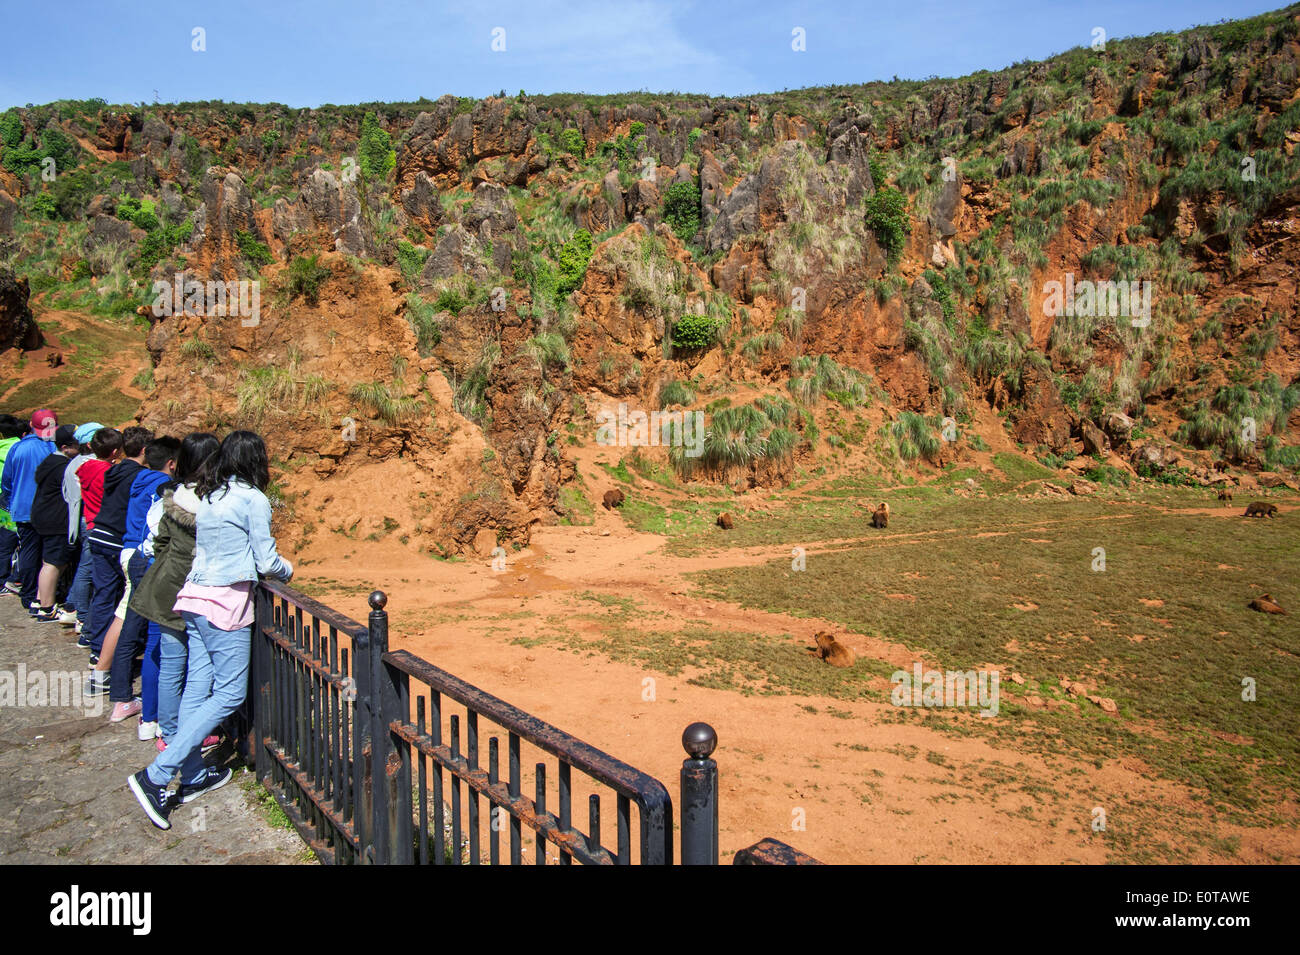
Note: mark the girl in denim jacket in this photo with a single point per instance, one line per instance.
(233, 546)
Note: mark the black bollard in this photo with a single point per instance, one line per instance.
(699, 796)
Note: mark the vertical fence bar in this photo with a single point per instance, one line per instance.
(471, 753)
(455, 791)
(398, 700)
(362, 769)
(540, 805)
(516, 833)
(565, 785)
(423, 781)
(494, 841)
(261, 762)
(593, 823)
(439, 813)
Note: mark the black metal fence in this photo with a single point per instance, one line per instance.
(376, 756)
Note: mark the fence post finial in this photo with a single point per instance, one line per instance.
(699, 796)
(378, 600)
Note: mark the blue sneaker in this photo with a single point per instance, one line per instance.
(213, 780)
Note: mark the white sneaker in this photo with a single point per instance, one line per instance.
(67, 617)
(147, 731)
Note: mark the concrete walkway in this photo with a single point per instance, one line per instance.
(63, 771)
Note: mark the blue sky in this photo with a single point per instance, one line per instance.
(352, 51)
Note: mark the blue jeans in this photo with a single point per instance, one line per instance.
(173, 651)
(79, 592)
(108, 583)
(133, 637)
(8, 547)
(215, 686)
(29, 561)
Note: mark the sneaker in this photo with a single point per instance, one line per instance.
(156, 801)
(96, 687)
(209, 744)
(83, 640)
(78, 630)
(68, 618)
(160, 745)
(214, 779)
(34, 608)
(122, 710)
(11, 589)
(146, 731)
(47, 614)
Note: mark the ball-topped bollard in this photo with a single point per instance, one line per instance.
(699, 796)
(378, 600)
(699, 740)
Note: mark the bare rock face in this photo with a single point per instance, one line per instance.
(491, 219)
(444, 141)
(946, 208)
(711, 179)
(456, 252)
(1155, 456)
(1118, 427)
(17, 327)
(643, 202)
(848, 149)
(226, 212)
(421, 203)
(1094, 439)
(736, 215)
(325, 205)
(1042, 418)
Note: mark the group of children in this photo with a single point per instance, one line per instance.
(146, 545)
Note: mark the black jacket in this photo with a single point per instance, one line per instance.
(110, 523)
(49, 509)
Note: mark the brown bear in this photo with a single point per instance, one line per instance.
(55, 360)
(724, 521)
(1260, 509)
(1225, 494)
(613, 499)
(880, 516)
(832, 651)
(1265, 604)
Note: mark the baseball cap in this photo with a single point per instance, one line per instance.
(43, 424)
(66, 435)
(87, 431)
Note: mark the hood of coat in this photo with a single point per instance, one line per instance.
(181, 505)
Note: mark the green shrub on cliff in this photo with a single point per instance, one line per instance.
(574, 256)
(887, 218)
(682, 210)
(304, 277)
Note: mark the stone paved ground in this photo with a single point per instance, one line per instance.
(63, 771)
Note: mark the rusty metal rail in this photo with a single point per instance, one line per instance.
(630, 785)
(362, 748)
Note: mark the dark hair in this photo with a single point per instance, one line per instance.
(196, 450)
(10, 427)
(160, 451)
(243, 457)
(134, 440)
(105, 441)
